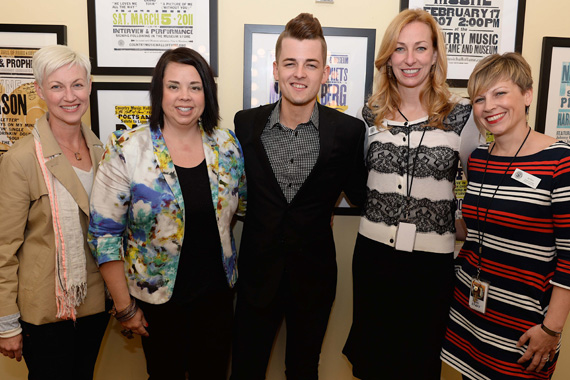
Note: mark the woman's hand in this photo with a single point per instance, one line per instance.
(541, 348)
(136, 325)
(113, 273)
(460, 229)
(12, 347)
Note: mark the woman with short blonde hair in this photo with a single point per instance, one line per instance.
(52, 295)
(512, 288)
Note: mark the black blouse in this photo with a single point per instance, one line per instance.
(200, 269)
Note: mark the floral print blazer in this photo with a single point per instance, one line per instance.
(137, 208)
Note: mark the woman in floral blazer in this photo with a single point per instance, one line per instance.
(162, 204)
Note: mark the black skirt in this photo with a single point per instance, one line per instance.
(401, 306)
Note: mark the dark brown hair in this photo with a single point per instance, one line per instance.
(302, 27)
(211, 115)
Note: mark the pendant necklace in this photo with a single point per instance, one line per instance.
(410, 173)
(76, 154)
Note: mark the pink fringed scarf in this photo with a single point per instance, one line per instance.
(70, 264)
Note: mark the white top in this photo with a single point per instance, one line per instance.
(86, 179)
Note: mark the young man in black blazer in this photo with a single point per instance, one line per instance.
(299, 157)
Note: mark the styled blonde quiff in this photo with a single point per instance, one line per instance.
(302, 27)
(385, 100)
(50, 58)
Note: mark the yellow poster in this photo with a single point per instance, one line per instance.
(20, 105)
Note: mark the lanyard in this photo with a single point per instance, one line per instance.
(410, 176)
(481, 233)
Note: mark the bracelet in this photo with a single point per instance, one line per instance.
(550, 332)
(127, 313)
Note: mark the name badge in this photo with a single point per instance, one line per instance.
(405, 237)
(372, 130)
(525, 178)
(478, 295)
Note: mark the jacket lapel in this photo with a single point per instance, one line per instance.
(211, 152)
(165, 165)
(96, 148)
(259, 123)
(327, 131)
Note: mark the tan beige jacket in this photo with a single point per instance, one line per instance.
(27, 244)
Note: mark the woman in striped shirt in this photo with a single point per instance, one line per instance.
(512, 292)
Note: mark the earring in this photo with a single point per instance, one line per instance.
(389, 72)
(432, 70)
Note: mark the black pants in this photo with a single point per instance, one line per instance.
(193, 338)
(255, 330)
(64, 350)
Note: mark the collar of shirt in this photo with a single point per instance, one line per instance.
(274, 118)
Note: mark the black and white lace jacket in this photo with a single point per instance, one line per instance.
(390, 160)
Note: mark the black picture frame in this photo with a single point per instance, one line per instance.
(548, 103)
(60, 31)
(134, 90)
(275, 30)
(99, 69)
(343, 207)
(22, 107)
(465, 69)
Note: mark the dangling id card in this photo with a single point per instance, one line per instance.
(405, 237)
(478, 295)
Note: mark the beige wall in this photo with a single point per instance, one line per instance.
(123, 360)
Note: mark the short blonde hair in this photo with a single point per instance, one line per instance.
(497, 67)
(385, 99)
(50, 58)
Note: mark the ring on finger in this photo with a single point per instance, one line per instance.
(127, 333)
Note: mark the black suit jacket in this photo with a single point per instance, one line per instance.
(294, 242)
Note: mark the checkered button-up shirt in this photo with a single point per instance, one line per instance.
(291, 152)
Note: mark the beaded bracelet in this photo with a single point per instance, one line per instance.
(550, 332)
(127, 313)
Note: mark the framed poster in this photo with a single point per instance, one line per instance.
(350, 56)
(553, 109)
(118, 105)
(474, 29)
(128, 37)
(20, 106)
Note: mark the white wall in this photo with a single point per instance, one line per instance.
(123, 360)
